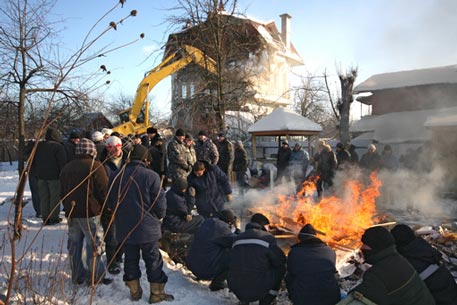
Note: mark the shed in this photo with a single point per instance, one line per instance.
(283, 122)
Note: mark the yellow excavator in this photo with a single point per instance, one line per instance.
(135, 120)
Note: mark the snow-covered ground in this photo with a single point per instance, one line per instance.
(43, 268)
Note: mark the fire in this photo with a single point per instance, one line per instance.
(340, 220)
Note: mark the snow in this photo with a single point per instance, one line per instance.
(45, 267)
(283, 119)
(436, 75)
(406, 126)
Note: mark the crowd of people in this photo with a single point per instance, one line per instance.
(117, 202)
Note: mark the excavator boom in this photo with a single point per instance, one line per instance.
(168, 66)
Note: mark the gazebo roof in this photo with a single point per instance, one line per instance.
(283, 121)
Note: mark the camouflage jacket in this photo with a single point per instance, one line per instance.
(207, 151)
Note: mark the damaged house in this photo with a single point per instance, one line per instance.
(413, 111)
(256, 59)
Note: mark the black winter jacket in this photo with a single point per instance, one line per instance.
(310, 277)
(50, 156)
(393, 281)
(441, 284)
(257, 264)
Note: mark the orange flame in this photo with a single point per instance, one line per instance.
(341, 220)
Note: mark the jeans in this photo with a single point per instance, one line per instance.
(90, 230)
(152, 259)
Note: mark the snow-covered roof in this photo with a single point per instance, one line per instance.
(285, 121)
(445, 117)
(438, 75)
(402, 127)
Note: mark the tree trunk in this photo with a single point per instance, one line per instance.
(347, 84)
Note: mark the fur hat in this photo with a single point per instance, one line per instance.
(151, 130)
(97, 136)
(180, 133)
(378, 238)
(139, 152)
(189, 137)
(113, 141)
(402, 234)
(85, 147)
(75, 135)
(260, 219)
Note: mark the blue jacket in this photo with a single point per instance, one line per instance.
(178, 206)
(134, 195)
(310, 277)
(257, 264)
(211, 189)
(209, 252)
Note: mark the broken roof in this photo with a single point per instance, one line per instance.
(284, 121)
(437, 75)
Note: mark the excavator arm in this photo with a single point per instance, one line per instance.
(168, 66)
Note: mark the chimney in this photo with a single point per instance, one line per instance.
(285, 29)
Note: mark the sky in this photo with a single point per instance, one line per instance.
(377, 36)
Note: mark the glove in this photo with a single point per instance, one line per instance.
(188, 218)
(229, 197)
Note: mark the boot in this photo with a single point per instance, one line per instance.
(158, 294)
(135, 289)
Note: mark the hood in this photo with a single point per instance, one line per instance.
(53, 134)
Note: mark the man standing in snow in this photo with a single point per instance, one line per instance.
(84, 184)
(138, 203)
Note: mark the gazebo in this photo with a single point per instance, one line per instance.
(283, 122)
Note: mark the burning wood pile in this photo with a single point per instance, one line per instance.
(341, 222)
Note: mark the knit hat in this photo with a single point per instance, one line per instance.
(238, 143)
(139, 152)
(113, 141)
(340, 145)
(402, 234)
(189, 137)
(97, 136)
(75, 135)
(285, 142)
(306, 232)
(151, 130)
(106, 131)
(85, 147)
(202, 133)
(180, 183)
(227, 216)
(378, 238)
(260, 219)
(221, 134)
(180, 133)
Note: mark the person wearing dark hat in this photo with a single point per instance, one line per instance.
(70, 145)
(158, 157)
(212, 188)
(190, 144)
(179, 165)
(283, 158)
(310, 277)
(257, 264)
(179, 218)
(84, 185)
(391, 279)
(240, 166)
(151, 133)
(343, 157)
(138, 203)
(226, 154)
(206, 149)
(50, 158)
(208, 255)
(428, 263)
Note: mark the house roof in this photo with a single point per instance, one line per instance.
(437, 75)
(406, 126)
(284, 121)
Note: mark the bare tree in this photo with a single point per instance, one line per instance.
(212, 26)
(342, 106)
